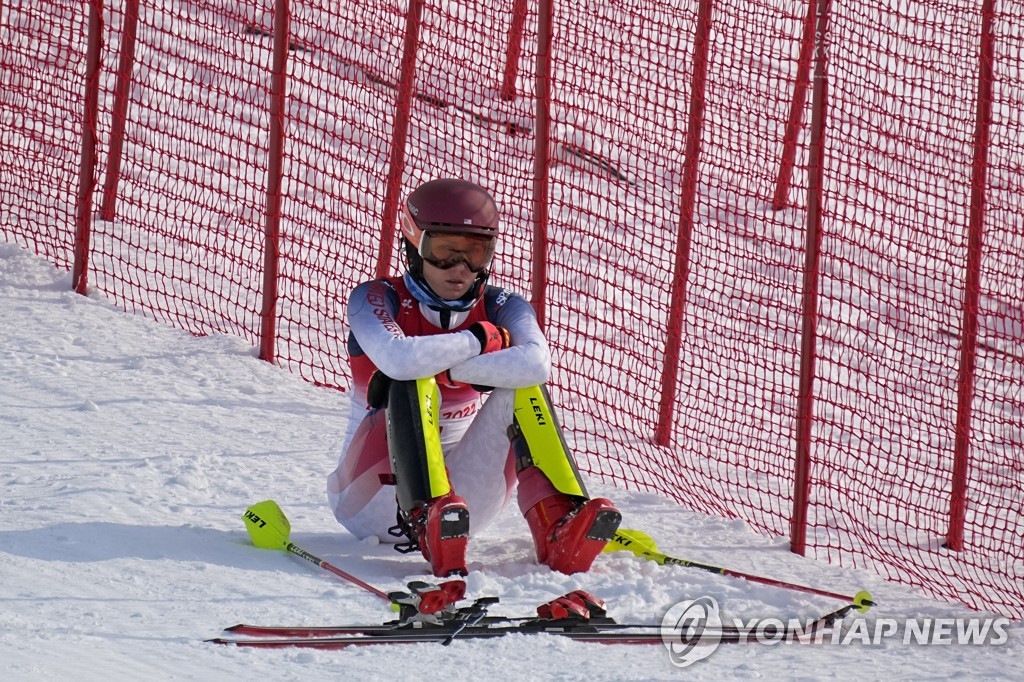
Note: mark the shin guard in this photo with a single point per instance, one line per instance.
(569, 529)
(433, 518)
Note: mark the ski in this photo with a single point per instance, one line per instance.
(488, 622)
(413, 637)
(572, 609)
(477, 625)
(568, 610)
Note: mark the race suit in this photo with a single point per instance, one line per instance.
(406, 339)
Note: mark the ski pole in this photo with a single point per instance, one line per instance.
(642, 545)
(269, 528)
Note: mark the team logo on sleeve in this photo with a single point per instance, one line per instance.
(376, 297)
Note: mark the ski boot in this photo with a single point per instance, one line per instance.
(569, 533)
(440, 530)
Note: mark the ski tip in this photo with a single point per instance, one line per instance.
(234, 627)
(862, 600)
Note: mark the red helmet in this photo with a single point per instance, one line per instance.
(448, 205)
(432, 213)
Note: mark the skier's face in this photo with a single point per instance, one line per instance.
(451, 283)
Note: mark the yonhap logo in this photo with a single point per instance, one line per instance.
(691, 631)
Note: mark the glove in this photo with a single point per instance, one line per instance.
(490, 336)
(444, 380)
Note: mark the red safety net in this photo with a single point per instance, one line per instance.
(42, 51)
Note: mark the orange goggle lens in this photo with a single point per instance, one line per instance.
(445, 250)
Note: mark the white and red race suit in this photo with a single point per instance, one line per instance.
(406, 339)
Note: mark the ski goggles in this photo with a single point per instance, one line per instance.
(445, 250)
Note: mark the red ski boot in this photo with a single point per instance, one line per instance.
(570, 534)
(444, 536)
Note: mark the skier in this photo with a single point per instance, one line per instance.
(449, 404)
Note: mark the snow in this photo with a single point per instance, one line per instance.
(131, 451)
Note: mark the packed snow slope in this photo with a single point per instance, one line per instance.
(131, 450)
